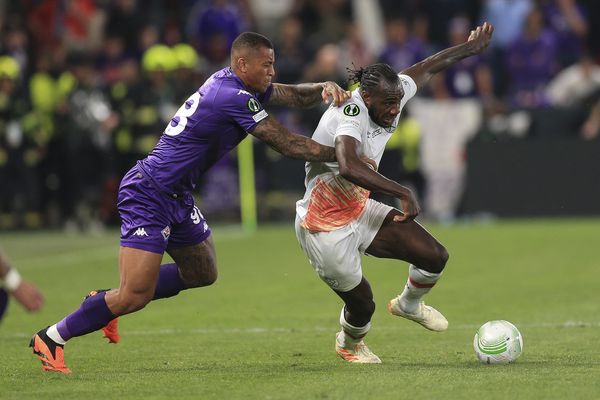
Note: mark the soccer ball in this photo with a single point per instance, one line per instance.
(498, 342)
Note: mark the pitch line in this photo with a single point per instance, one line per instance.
(314, 329)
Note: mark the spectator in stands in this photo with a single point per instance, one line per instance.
(214, 29)
(457, 103)
(83, 24)
(112, 55)
(291, 51)
(88, 158)
(402, 49)
(574, 84)
(353, 48)
(576, 93)
(508, 18)
(567, 19)
(125, 20)
(324, 22)
(472, 77)
(189, 71)
(325, 67)
(532, 61)
(20, 152)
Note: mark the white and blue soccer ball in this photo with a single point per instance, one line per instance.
(498, 342)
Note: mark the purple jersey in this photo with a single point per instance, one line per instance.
(461, 77)
(208, 125)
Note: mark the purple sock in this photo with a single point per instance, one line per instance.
(169, 282)
(92, 315)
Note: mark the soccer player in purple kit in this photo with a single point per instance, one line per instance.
(155, 197)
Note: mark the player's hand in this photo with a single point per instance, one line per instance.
(410, 208)
(480, 37)
(29, 296)
(333, 90)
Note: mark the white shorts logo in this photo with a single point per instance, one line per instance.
(140, 232)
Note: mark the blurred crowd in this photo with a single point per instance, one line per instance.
(87, 87)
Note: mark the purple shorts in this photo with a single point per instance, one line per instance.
(156, 221)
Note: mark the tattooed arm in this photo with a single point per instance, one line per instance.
(306, 95)
(270, 131)
(478, 40)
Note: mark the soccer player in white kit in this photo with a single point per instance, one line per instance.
(336, 222)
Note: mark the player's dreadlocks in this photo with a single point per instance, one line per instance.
(370, 77)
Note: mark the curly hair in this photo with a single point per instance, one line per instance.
(371, 76)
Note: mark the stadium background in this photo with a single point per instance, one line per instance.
(86, 88)
(82, 96)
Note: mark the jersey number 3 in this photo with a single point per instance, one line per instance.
(180, 119)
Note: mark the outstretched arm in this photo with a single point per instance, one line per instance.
(270, 131)
(478, 40)
(23, 291)
(354, 168)
(306, 95)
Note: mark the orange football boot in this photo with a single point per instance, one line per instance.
(111, 331)
(50, 353)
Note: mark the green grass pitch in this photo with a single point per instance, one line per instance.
(266, 329)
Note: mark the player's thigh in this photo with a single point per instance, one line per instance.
(192, 248)
(334, 256)
(410, 242)
(197, 263)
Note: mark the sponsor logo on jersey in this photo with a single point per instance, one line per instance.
(260, 116)
(375, 133)
(141, 232)
(242, 91)
(351, 110)
(166, 232)
(253, 105)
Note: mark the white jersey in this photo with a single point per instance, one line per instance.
(331, 201)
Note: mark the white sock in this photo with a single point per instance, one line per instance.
(419, 283)
(53, 334)
(351, 334)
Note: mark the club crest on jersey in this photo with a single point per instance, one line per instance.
(166, 232)
(351, 110)
(253, 105)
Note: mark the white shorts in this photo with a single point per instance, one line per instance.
(336, 255)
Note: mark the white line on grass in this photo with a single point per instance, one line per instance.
(259, 330)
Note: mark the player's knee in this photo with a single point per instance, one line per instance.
(204, 275)
(440, 259)
(209, 277)
(132, 302)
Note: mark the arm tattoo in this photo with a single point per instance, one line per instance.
(291, 145)
(304, 95)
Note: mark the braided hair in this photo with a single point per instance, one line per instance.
(371, 76)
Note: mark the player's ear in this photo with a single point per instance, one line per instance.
(242, 64)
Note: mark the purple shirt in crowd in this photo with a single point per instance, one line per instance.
(531, 65)
(208, 125)
(402, 56)
(461, 77)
